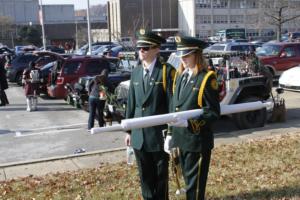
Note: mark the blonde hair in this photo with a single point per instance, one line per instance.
(200, 63)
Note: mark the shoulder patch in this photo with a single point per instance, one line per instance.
(214, 84)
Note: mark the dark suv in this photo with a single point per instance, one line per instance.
(20, 62)
(71, 69)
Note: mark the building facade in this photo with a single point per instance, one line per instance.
(61, 24)
(203, 18)
(128, 16)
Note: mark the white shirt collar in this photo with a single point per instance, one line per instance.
(150, 67)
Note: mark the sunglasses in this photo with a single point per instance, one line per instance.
(145, 48)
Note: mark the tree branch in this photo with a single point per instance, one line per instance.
(289, 19)
(274, 17)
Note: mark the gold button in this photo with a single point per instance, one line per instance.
(143, 109)
(176, 108)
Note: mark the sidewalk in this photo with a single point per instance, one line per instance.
(97, 158)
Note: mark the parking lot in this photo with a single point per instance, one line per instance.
(57, 129)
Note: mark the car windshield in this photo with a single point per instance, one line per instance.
(268, 50)
(217, 48)
(127, 64)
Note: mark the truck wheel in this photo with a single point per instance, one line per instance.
(250, 119)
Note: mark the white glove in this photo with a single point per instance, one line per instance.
(167, 144)
(179, 123)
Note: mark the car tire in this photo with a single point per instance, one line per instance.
(69, 100)
(250, 119)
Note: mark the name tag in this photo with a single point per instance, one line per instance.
(156, 83)
(195, 89)
(135, 83)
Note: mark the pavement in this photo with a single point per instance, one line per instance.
(95, 159)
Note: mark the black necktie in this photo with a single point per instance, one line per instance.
(183, 83)
(146, 80)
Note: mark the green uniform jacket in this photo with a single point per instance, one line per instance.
(198, 135)
(154, 102)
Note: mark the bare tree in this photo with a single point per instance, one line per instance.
(278, 12)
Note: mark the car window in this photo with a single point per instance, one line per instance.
(268, 50)
(71, 68)
(96, 66)
(236, 48)
(217, 48)
(27, 58)
(290, 51)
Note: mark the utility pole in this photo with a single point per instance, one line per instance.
(89, 27)
(42, 23)
(108, 21)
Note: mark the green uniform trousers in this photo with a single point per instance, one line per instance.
(153, 171)
(195, 166)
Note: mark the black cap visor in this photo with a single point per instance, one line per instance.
(182, 53)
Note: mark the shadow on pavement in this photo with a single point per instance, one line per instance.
(3, 131)
(227, 125)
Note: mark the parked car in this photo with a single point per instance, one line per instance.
(53, 48)
(279, 56)
(229, 47)
(84, 49)
(21, 62)
(71, 69)
(289, 79)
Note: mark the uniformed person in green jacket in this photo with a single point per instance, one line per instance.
(149, 94)
(194, 87)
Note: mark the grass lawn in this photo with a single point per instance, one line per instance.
(259, 169)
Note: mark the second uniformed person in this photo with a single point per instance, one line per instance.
(194, 87)
(149, 92)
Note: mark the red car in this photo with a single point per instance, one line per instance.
(71, 69)
(279, 56)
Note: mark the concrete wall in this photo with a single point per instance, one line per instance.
(128, 16)
(20, 11)
(58, 14)
(186, 17)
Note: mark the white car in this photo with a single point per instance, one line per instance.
(290, 79)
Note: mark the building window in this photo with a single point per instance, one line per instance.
(203, 34)
(220, 3)
(237, 4)
(252, 33)
(203, 19)
(252, 4)
(252, 19)
(236, 19)
(203, 3)
(220, 19)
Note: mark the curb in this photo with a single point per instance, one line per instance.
(20, 163)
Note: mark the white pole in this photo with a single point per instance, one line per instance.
(42, 23)
(89, 27)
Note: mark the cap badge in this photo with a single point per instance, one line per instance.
(178, 39)
(142, 31)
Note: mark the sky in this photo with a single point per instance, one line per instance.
(79, 4)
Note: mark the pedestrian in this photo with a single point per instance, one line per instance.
(149, 94)
(97, 91)
(30, 79)
(195, 87)
(3, 84)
